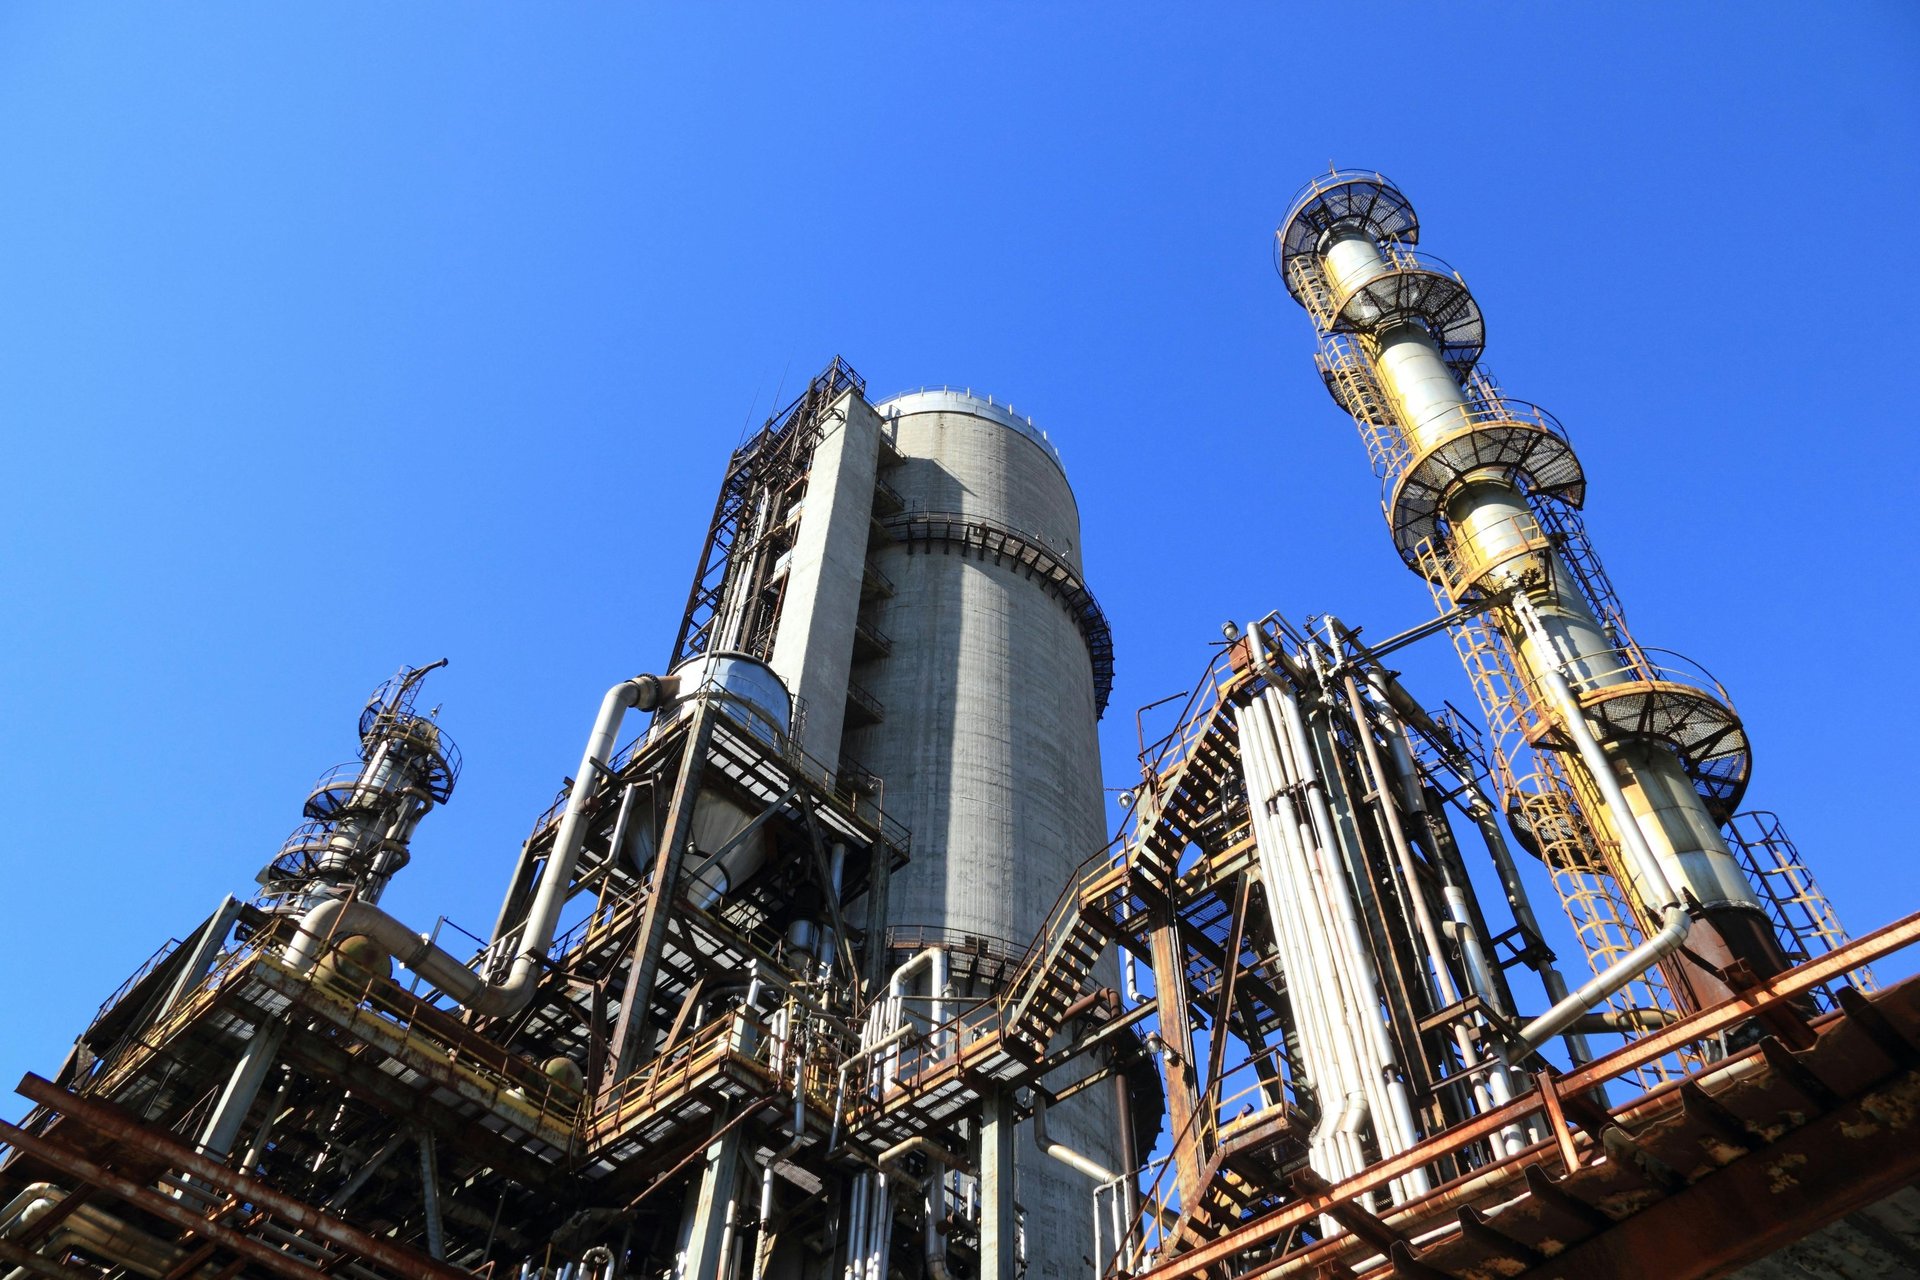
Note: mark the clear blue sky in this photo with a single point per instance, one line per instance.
(339, 337)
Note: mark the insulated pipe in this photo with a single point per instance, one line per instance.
(1605, 1020)
(1382, 784)
(1486, 819)
(1394, 1121)
(1316, 899)
(934, 959)
(1403, 851)
(936, 1245)
(1336, 1071)
(1288, 933)
(1659, 892)
(1327, 1053)
(1061, 1151)
(760, 1231)
(935, 1187)
(418, 951)
(1398, 1113)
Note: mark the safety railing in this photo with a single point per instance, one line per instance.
(1800, 911)
(1594, 674)
(861, 791)
(331, 794)
(874, 583)
(872, 636)
(1462, 566)
(1161, 1208)
(871, 706)
(669, 1077)
(151, 963)
(427, 1031)
(1476, 415)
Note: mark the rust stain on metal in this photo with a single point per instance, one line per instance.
(1779, 1177)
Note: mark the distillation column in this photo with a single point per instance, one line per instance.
(1468, 474)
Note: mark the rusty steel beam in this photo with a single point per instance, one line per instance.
(1832, 1166)
(163, 1207)
(1782, 986)
(1785, 986)
(110, 1121)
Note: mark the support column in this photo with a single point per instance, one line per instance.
(629, 1032)
(1176, 1060)
(430, 1197)
(998, 1225)
(243, 1086)
(713, 1210)
(206, 947)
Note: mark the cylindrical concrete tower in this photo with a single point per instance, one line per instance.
(998, 669)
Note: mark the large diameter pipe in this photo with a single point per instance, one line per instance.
(419, 953)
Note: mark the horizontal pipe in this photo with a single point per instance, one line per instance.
(1603, 1020)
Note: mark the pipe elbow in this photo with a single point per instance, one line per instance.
(648, 692)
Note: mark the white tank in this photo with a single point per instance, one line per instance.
(750, 694)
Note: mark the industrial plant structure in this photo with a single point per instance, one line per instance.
(781, 989)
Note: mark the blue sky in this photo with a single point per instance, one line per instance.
(336, 338)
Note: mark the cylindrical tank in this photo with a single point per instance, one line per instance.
(747, 691)
(988, 749)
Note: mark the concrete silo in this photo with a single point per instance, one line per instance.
(996, 672)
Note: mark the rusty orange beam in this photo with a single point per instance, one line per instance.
(1786, 986)
(167, 1209)
(1836, 1164)
(110, 1121)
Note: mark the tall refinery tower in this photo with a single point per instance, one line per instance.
(1621, 762)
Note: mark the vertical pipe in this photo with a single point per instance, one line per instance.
(1392, 1108)
(1381, 786)
(1129, 1184)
